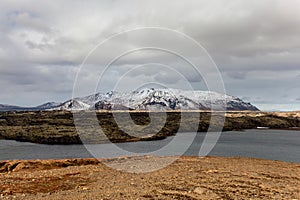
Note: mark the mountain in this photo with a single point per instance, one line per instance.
(45, 106)
(145, 99)
(5, 107)
(156, 99)
(48, 105)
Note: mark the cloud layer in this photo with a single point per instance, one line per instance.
(255, 45)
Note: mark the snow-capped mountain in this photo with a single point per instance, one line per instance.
(157, 99)
(48, 105)
(45, 106)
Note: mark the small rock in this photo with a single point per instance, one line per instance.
(200, 190)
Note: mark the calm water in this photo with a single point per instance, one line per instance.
(267, 144)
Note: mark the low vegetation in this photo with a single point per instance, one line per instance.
(57, 127)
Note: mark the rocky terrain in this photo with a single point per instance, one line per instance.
(186, 178)
(57, 127)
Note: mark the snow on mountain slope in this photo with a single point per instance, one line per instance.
(157, 99)
(74, 104)
(48, 105)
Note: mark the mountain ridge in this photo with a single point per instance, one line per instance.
(157, 99)
(45, 106)
(146, 99)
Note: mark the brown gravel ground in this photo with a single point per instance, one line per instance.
(187, 178)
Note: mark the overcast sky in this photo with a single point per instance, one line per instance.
(255, 45)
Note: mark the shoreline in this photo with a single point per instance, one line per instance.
(145, 139)
(8, 165)
(58, 127)
(186, 178)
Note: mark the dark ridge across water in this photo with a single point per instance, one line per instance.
(266, 144)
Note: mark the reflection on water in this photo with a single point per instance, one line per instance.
(267, 144)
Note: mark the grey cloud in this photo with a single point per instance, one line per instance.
(237, 74)
(255, 44)
(51, 81)
(168, 78)
(26, 20)
(39, 46)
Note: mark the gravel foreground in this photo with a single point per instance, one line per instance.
(187, 178)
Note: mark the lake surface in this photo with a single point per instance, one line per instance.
(267, 144)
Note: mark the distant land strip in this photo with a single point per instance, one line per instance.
(57, 127)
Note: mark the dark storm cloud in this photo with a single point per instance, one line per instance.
(255, 44)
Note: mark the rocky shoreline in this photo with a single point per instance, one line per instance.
(186, 178)
(57, 127)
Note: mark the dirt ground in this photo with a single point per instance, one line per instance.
(187, 178)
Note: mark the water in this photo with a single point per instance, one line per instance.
(266, 144)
